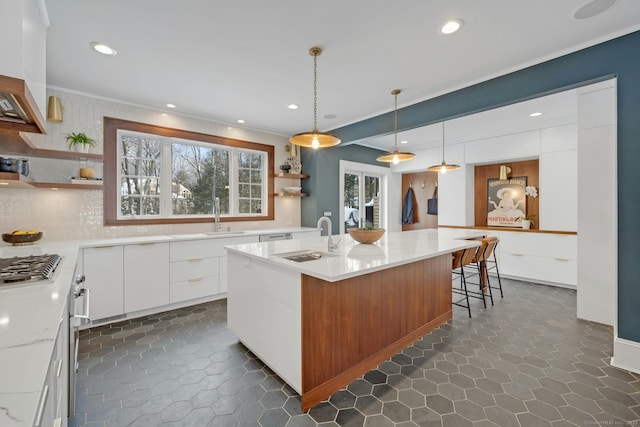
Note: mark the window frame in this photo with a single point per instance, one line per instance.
(111, 186)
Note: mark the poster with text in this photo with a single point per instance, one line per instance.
(507, 205)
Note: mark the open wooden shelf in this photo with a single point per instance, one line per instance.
(20, 144)
(14, 180)
(291, 175)
(284, 194)
(66, 185)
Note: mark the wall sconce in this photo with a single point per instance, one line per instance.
(54, 110)
(504, 171)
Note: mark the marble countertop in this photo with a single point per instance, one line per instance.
(30, 316)
(352, 259)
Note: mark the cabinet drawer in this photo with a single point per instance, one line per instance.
(190, 249)
(528, 267)
(193, 268)
(194, 288)
(539, 244)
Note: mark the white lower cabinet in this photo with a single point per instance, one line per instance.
(52, 408)
(194, 273)
(146, 276)
(539, 257)
(103, 267)
(223, 256)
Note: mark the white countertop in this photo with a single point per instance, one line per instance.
(30, 315)
(354, 259)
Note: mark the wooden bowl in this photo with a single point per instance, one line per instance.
(366, 236)
(21, 239)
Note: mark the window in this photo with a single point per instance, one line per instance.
(157, 175)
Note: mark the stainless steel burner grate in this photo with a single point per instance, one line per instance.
(28, 269)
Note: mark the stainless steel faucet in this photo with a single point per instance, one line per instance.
(216, 213)
(330, 245)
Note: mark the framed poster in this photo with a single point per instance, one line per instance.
(507, 205)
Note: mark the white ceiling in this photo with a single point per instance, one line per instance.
(249, 59)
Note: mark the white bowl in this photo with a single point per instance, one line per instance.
(292, 189)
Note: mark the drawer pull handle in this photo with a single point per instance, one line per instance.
(199, 279)
(59, 370)
(147, 244)
(195, 260)
(561, 259)
(103, 247)
(517, 255)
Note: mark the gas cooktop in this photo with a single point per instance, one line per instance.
(26, 269)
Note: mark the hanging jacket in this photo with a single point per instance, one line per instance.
(407, 207)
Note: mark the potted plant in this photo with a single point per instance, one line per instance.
(528, 221)
(80, 141)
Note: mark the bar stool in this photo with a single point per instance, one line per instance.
(487, 261)
(464, 267)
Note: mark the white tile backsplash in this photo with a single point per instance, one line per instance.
(78, 214)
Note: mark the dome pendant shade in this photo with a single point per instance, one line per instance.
(315, 139)
(395, 156)
(443, 167)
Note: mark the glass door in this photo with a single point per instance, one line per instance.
(362, 200)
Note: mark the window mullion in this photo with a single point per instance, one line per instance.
(165, 178)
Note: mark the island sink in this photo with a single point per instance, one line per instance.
(305, 255)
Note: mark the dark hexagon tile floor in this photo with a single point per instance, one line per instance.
(526, 361)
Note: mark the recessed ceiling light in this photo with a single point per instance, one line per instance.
(593, 8)
(451, 26)
(4, 183)
(330, 116)
(536, 114)
(171, 105)
(103, 48)
(403, 142)
(292, 107)
(240, 121)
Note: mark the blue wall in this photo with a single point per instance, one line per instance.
(616, 58)
(323, 185)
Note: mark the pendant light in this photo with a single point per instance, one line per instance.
(315, 139)
(443, 167)
(395, 156)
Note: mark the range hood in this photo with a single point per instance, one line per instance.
(18, 109)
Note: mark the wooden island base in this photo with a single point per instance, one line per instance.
(351, 326)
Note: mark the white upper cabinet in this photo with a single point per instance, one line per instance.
(501, 148)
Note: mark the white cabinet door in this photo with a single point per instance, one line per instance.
(223, 258)
(559, 190)
(146, 276)
(103, 269)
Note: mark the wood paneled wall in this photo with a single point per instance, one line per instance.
(528, 168)
(423, 184)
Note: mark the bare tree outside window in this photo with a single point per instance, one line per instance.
(140, 174)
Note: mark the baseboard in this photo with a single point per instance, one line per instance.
(626, 355)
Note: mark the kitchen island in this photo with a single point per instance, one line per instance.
(322, 323)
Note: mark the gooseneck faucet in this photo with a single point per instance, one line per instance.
(216, 213)
(330, 245)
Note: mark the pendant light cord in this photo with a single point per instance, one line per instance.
(395, 119)
(315, 91)
(443, 142)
